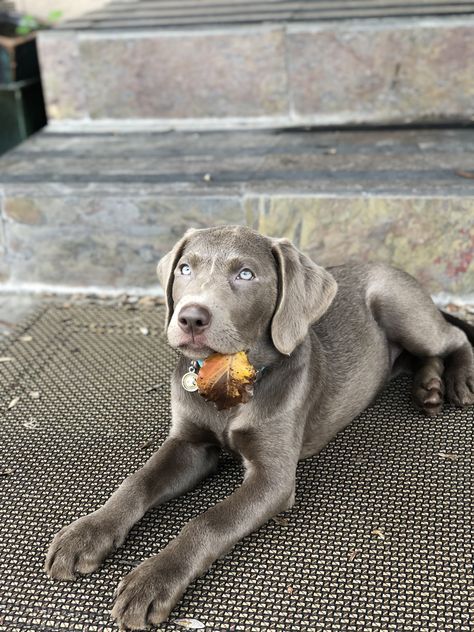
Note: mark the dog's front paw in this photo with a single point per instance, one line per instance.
(81, 547)
(147, 594)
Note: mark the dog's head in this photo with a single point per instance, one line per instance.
(228, 288)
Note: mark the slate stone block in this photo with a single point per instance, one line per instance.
(185, 76)
(382, 72)
(103, 241)
(61, 73)
(431, 238)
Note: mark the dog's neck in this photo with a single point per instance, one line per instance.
(264, 354)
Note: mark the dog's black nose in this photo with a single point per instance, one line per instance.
(194, 319)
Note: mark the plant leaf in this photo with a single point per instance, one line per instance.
(13, 403)
(450, 456)
(379, 533)
(226, 380)
(190, 624)
(55, 15)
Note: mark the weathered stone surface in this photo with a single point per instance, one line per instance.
(378, 72)
(159, 215)
(24, 210)
(185, 76)
(101, 209)
(431, 238)
(61, 74)
(105, 242)
(4, 266)
(345, 72)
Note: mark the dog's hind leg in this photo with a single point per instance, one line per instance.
(428, 386)
(410, 319)
(459, 377)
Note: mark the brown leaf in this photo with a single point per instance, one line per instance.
(226, 380)
(289, 590)
(155, 387)
(452, 307)
(379, 533)
(148, 443)
(13, 403)
(353, 554)
(465, 174)
(189, 624)
(449, 456)
(31, 424)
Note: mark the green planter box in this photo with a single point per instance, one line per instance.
(18, 58)
(22, 109)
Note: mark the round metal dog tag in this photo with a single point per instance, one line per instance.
(189, 382)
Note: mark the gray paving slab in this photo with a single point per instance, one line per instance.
(386, 161)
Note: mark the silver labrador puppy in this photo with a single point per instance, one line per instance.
(329, 340)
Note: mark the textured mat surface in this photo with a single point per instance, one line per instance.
(379, 538)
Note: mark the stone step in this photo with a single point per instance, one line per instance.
(99, 209)
(264, 63)
(178, 13)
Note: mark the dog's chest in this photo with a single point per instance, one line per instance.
(231, 428)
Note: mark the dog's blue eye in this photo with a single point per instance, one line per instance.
(246, 275)
(185, 269)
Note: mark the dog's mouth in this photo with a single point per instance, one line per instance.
(198, 348)
(195, 347)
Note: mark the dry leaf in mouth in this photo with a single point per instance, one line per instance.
(226, 380)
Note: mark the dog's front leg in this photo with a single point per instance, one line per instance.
(147, 595)
(83, 545)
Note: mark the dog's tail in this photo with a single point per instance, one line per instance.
(467, 328)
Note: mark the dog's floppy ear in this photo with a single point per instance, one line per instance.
(165, 272)
(305, 292)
